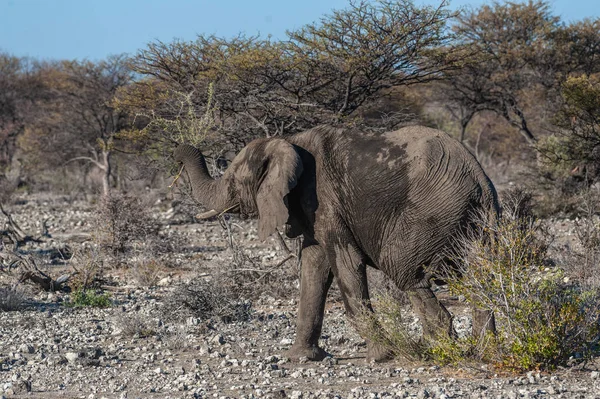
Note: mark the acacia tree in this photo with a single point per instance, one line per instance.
(575, 147)
(575, 51)
(512, 55)
(323, 73)
(82, 123)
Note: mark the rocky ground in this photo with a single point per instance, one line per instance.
(142, 347)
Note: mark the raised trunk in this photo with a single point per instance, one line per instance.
(209, 192)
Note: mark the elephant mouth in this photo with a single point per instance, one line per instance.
(213, 212)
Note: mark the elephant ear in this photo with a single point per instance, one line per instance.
(283, 170)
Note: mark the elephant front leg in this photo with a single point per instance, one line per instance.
(315, 280)
(434, 316)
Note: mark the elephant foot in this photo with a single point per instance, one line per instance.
(312, 352)
(435, 332)
(378, 353)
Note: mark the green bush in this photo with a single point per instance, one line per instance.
(89, 298)
(544, 318)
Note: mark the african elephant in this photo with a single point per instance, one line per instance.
(393, 201)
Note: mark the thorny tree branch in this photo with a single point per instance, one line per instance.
(13, 234)
(240, 257)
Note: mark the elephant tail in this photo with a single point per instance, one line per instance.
(490, 212)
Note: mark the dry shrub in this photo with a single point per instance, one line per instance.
(135, 326)
(88, 264)
(381, 286)
(583, 262)
(206, 300)
(124, 224)
(146, 272)
(387, 327)
(11, 299)
(177, 337)
(250, 278)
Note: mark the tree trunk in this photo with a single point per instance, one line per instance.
(106, 172)
(464, 122)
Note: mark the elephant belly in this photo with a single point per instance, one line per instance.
(414, 245)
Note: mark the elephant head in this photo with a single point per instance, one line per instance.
(257, 183)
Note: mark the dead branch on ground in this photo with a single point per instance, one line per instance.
(13, 233)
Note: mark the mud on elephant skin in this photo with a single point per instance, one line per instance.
(393, 201)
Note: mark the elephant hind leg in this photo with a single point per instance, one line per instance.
(484, 321)
(434, 316)
(351, 276)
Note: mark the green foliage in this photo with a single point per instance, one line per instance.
(579, 119)
(89, 298)
(543, 318)
(569, 160)
(555, 158)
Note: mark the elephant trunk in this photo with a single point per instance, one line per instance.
(205, 189)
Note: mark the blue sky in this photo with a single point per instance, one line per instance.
(93, 29)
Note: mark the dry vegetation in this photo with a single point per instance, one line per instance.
(516, 85)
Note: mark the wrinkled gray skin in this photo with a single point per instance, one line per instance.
(393, 201)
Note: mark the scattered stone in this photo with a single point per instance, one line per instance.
(49, 349)
(72, 356)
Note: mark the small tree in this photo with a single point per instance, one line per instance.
(575, 148)
(509, 46)
(80, 123)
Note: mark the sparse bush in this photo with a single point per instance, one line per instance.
(88, 264)
(123, 221)
(206, 300)
(517, 205)
(146, 272)
(387, 327)
(89, 298)
(583, 262)
(135, 326)
(11, 299)
(251, 276)
(176, 338)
